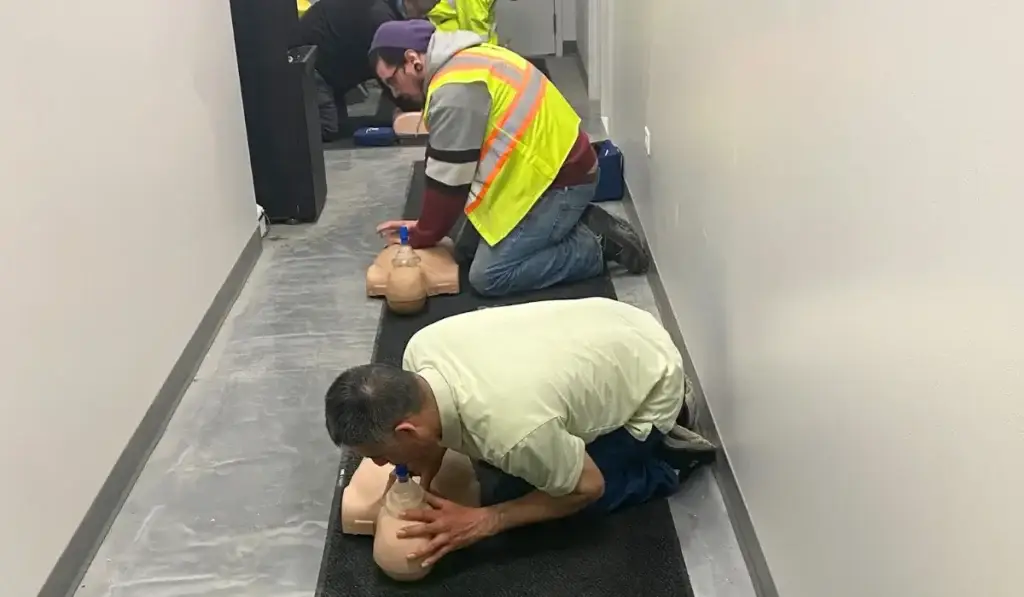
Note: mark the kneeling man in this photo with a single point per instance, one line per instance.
(507, 150)
(565, 406)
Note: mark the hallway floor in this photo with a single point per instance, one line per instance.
(234, 502)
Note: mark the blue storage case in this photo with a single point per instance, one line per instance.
(612, 185)
(375, 136)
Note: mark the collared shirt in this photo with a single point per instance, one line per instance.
(526, 387)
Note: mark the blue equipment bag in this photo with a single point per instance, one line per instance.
(375, 136)
(612, 185)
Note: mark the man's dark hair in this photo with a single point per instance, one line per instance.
(366, 402)
(393, 57)
(420, 8)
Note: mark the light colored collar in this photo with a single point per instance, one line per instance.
(451, 423)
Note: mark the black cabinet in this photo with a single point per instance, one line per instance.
(281, 118)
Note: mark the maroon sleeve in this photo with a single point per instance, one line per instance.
(441, 209)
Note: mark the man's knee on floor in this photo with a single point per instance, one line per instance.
(486, 281)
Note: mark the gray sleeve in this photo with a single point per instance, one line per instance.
(457, 121)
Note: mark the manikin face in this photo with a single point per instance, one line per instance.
(405, 81)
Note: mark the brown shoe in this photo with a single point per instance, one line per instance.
(619, 242)
(686, 451)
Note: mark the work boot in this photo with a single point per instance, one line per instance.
(686, 451)
(619, 242)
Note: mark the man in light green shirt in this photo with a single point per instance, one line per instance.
(565, 406)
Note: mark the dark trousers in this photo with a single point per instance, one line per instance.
(342, 31)
(335, 121)
(633, 474)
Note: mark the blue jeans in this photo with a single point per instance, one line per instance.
(633, 474)
(547, 247)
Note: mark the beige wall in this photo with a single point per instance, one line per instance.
(835, 200)
(126, 199)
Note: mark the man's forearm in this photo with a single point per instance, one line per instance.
(441, 209)
(538, 506)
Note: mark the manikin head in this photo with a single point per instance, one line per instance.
(384, 413)
(398, 56)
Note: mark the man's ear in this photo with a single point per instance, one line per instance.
(407, 430)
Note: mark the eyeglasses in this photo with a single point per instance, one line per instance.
(392, 79)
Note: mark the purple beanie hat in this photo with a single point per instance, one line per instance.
(404, 35)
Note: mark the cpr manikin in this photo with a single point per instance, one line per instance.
(390, 552)
(364, 510)
(409, 124)
(406, 289)
(434, 272)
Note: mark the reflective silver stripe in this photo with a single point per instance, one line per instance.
(452, 4)
(453, 175)
(464, 60)
(513, 125)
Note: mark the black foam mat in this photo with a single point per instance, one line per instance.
(634, 552)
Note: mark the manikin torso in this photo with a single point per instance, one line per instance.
(437, 266)
(364, 497)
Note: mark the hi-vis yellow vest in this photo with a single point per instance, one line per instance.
(465, 15)
(532, 128)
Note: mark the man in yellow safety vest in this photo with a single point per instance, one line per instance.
(506, 149)
(476, 16)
